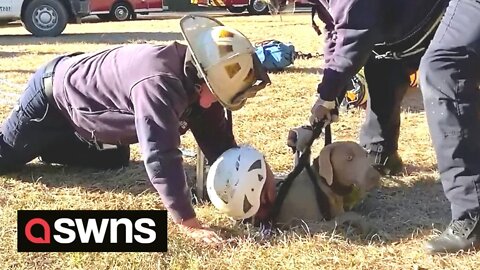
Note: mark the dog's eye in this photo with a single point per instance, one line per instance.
(349, 157)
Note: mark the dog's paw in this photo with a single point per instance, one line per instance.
(352, 218)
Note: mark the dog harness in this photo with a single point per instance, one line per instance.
(304, 164)
(351, 194)
(337, 188)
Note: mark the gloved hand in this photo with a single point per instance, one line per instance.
(298, 137)
(323, 111)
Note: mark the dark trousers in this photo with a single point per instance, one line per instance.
(387, 81)
(450, 78)
(35, 128)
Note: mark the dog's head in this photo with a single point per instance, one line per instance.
(346, 163)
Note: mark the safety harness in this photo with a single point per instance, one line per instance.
(323, 203)
(304, 164)
(336, 187)
(411, 44)
(417, 40)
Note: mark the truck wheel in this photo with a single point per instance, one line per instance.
(45, 18)
(236, 9)
(121, 12)
(257, 7)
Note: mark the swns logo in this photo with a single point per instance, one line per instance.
(91, 231)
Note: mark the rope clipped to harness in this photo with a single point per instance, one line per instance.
(302, 55)
(415, 42)
(320, 8)
(303, 163)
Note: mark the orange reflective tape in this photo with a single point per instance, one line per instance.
(217, 3)
(232, 69)
(225, 34)
(414, 79)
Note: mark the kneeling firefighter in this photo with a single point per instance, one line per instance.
(86, 109)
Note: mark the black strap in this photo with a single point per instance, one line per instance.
(328, 135)
(229, 120)
(416, 41)
(304, 163)
(48, 73)
(336, 187)
(47, 79)
(323, 203)
(320, 8)
(314, 25)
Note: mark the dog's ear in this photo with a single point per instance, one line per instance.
(325, 164)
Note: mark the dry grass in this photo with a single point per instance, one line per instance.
(409, 209)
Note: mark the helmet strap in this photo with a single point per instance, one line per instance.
(191, 68)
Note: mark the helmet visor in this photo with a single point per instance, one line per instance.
(192, 27)
(261, 81)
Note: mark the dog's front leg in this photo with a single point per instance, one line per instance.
(355, 220)
(347, 218)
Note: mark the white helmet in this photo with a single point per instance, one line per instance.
(235, 181)
(225, 58)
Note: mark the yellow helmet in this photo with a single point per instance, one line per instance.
(357, 95)
(225, 59)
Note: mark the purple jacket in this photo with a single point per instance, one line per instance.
(357, 26)
(140, 93)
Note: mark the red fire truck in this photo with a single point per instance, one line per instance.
(122, 10)
(254, 7)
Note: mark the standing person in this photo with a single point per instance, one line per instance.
(449, 78)
(387, 38)
(86, 109)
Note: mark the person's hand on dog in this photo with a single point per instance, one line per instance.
(298, 138)
(322, 110)
(200, 233)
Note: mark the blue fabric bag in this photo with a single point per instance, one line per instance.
(275, 55)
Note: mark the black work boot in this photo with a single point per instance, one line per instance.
(459, 235)
(386, 164)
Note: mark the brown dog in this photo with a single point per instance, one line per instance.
(342, 168)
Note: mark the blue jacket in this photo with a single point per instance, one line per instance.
(355, 27)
